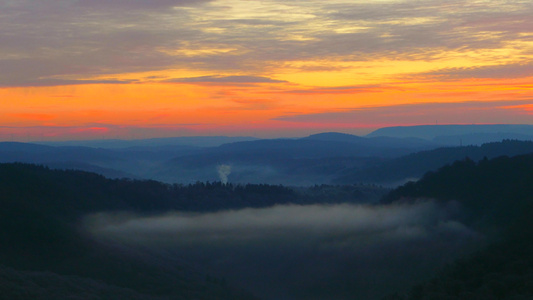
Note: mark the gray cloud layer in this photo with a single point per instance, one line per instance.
(499, 71)
(70, 39)
(225, 79)
(476, 112)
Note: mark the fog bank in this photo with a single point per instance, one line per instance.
(304, 252)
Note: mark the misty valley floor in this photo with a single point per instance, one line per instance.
(304, 252)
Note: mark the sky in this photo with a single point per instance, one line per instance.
(130, 69)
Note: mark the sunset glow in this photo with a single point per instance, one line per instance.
(85, 69)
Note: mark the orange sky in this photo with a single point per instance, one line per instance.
(120, 69)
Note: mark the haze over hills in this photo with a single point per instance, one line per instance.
(414, 165)
(193, 141)
(317, 159)
(133, 162)
(379, 141)
(457, 135)
(311, 160)
(429, 135)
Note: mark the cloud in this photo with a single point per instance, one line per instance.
(31, 82)
(518, 70)
(303, 252)
(71, 42)
(64, 39)
(225, 79)
(82, 39)
(139, 4)
(373, 88)
(471, 112)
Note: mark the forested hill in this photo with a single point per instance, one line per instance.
(74, 193)
(501, 187)
(77, 193)
(417, 164)
(45, 255)
(496, 194)
(41, 240)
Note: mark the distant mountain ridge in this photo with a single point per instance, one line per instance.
(459, 134)
(443, 134)
(299, 161)
(378, 141)
(315, 159)
(193, 141)
(322, 158)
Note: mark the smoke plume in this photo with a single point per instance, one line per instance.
(223, 172)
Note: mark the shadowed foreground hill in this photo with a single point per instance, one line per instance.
(497, 195)
(501, 188)
(46, 254)
(15, 284)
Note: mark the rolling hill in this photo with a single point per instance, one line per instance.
(413, 166)
(496, 198)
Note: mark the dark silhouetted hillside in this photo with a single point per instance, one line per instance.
(41, 238)
(501, 187)
(497, 196)
(40, 211)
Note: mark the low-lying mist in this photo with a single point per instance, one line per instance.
(304, 252)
